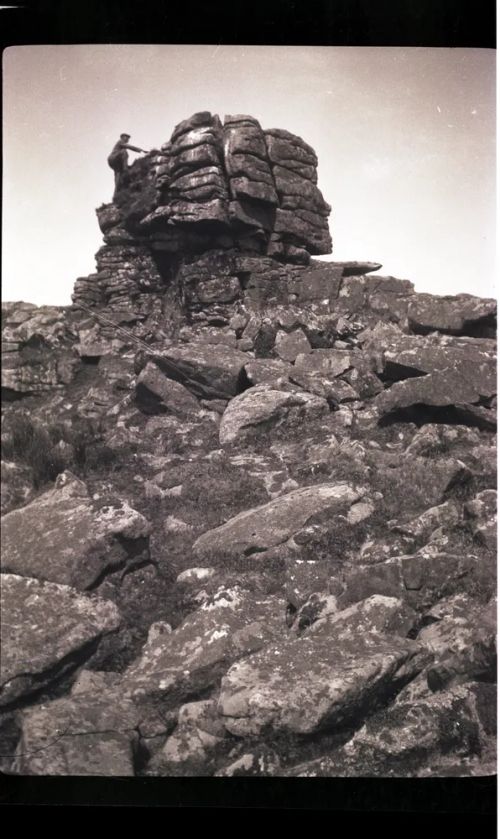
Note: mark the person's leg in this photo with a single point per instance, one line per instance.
(117, 183)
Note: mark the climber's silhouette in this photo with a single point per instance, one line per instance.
(118, 160)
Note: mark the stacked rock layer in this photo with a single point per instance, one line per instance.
(249, 497)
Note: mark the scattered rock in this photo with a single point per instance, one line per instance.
(355, 606)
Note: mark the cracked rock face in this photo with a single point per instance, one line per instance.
(44, 625)
(194, 656)
(86, 734)
(249, 496)
(64, 537)
(236, 182)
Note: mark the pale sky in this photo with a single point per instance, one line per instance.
(405, 139)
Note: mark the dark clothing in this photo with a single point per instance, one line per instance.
(118, 160)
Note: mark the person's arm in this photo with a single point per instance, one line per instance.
(133, 148)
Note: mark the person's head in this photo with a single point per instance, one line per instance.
(125, 137)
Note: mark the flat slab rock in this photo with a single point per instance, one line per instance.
(407, 737)
(272, 524)
(213, 370)
(262, 407)
(194, 656)
(467, 382)
(154, 391)
(79, 735)
(416, 353)
(429, 312)
(43, 625)
(63, 537)
(314, 682)
(420, 579)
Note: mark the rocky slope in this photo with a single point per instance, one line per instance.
(248, 497)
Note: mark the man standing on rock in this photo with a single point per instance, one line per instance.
(118, 160)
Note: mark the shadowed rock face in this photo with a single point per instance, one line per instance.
(228, 184)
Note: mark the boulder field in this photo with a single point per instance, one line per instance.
(248, 496)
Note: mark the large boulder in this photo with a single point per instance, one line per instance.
(421, 579)
(63, 536)
(192, 658)
(210, 371)
(315, 682)
(466, 382)
(262, 408)
(261, 528)
(453, 315)
(47, 630)
(215, 183)
(89, 733)
(156, 393)
(441, 730)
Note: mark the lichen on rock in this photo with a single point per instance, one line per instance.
(249, 501)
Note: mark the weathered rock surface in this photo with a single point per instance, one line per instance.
(63, 537)
(283, 492)
(272, 524)
(176, 665)
(482, 514)
(450, 386)
(216, 374)
(47, 629)
(262, 408)
(36, 349)
(198, 739)
(421, 579)
(85, 734)
(156, 393)
(406, 739)
(449, 314)
(305, 685)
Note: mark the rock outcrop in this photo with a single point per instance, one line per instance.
(249, 497)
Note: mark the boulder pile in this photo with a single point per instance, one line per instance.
(249, 496)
